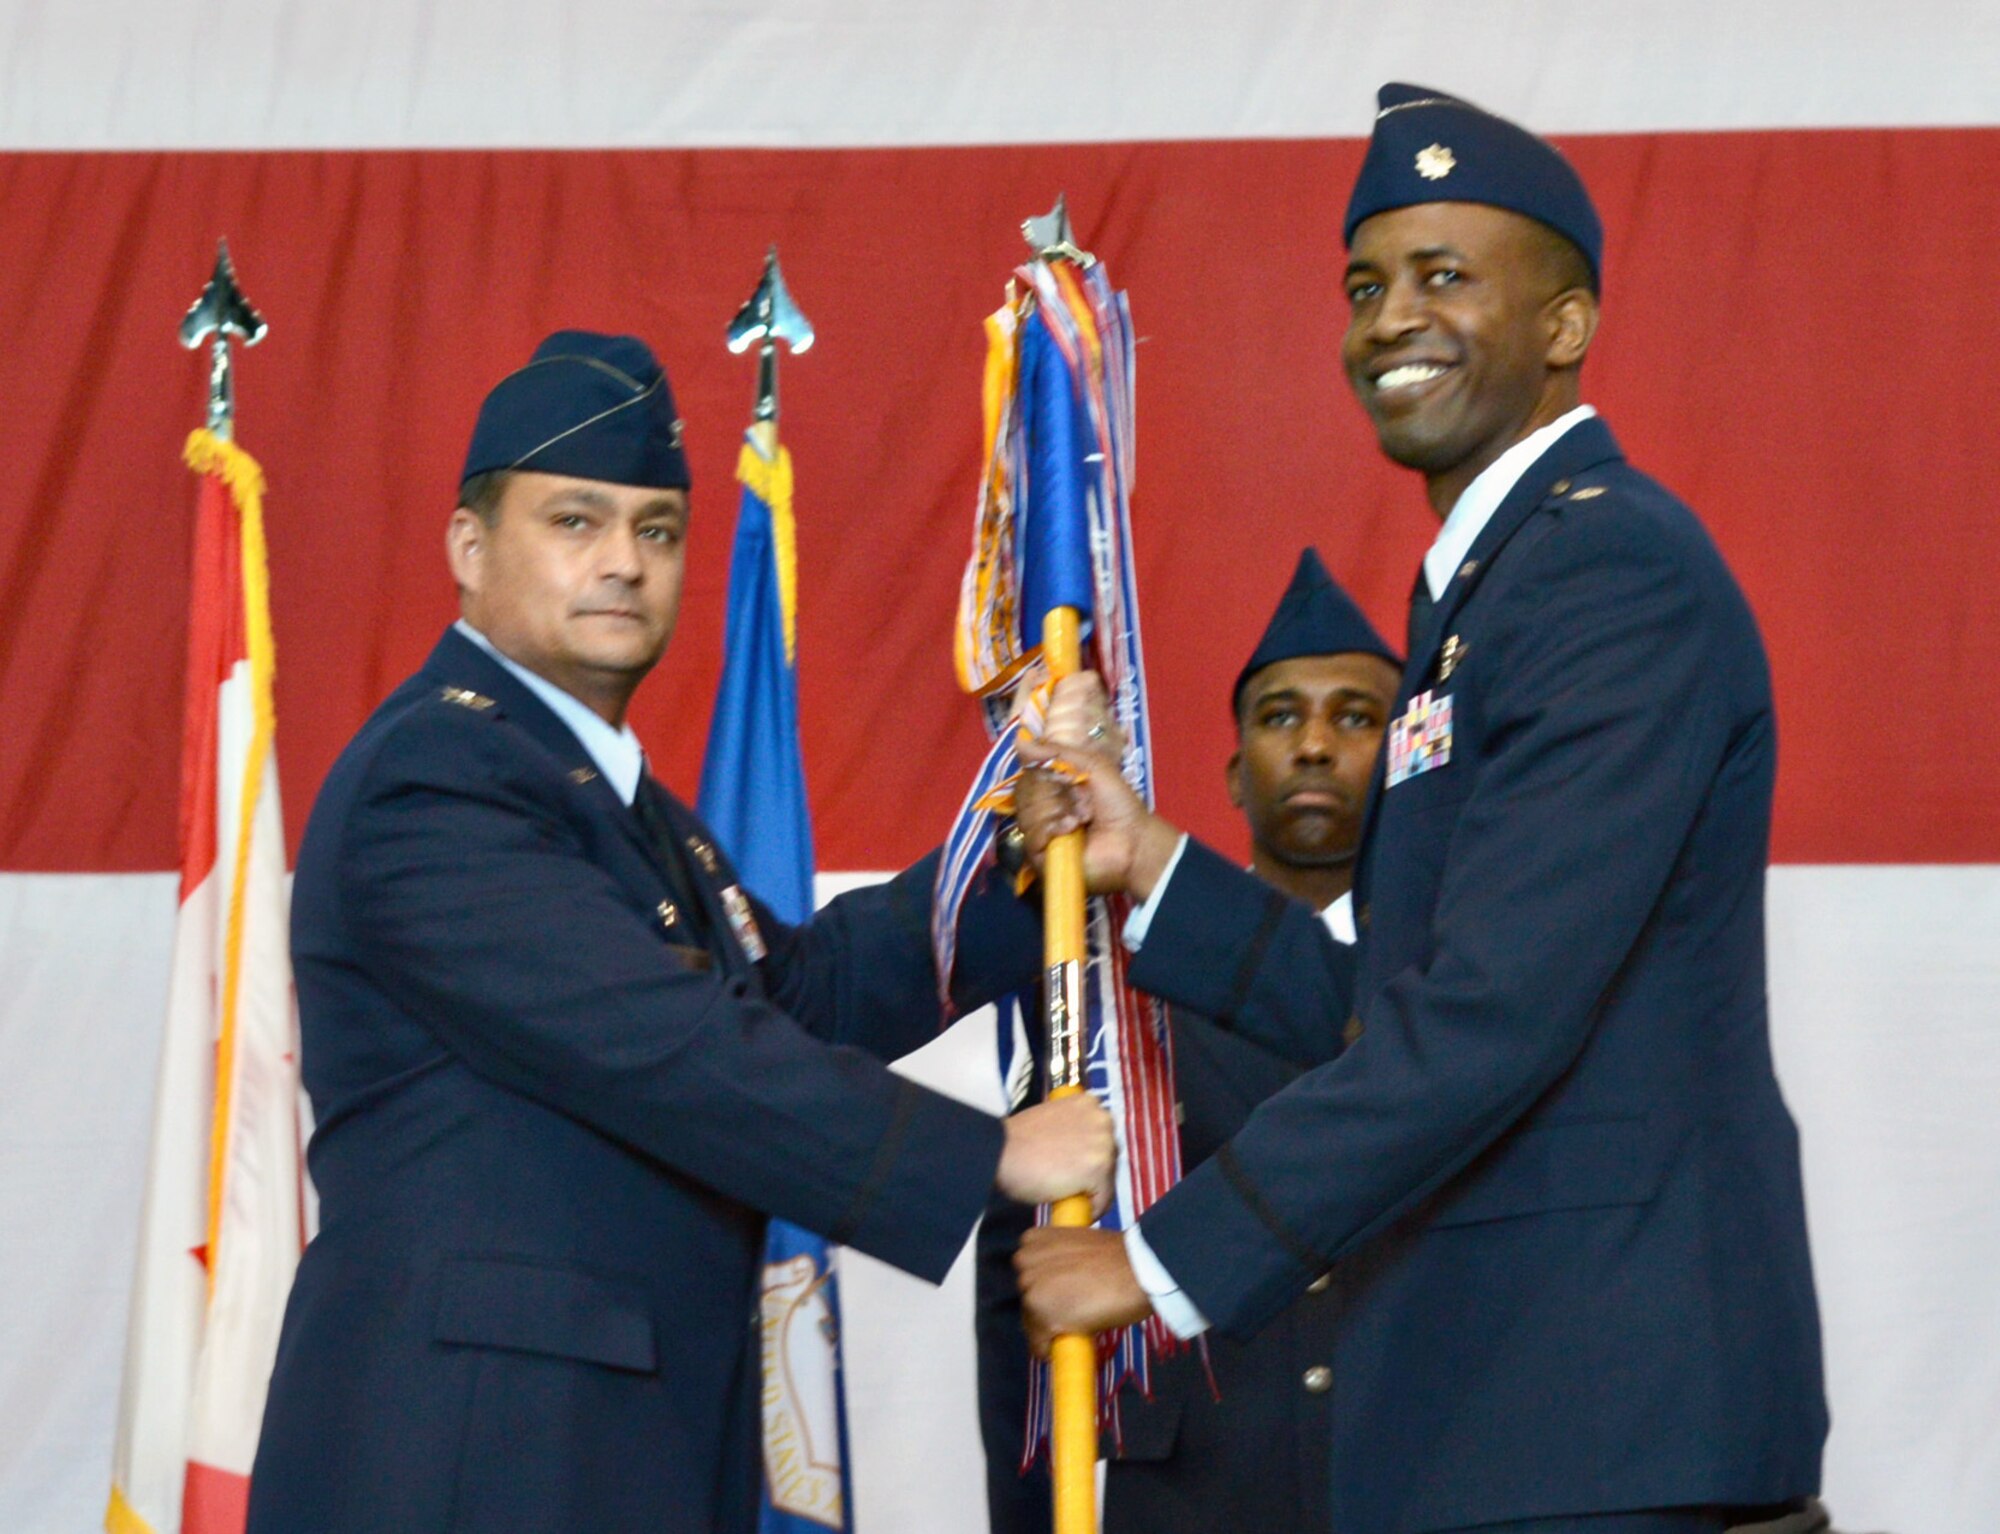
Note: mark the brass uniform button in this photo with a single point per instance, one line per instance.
(1352, 1032)
(1318, 1380)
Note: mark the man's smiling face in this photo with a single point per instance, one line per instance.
(1463, 335)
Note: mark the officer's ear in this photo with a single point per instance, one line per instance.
(1572, 316)
(1233, 775)
(465, 547)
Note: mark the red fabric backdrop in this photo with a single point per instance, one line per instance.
(1798, 339)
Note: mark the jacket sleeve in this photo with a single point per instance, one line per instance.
(861, 971)
(1226, 945)
(468, 896)
(1604, 725)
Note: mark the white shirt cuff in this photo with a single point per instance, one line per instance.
(1182, 1316)
(1140, 920)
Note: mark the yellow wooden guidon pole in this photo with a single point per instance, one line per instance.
(1072, 1358)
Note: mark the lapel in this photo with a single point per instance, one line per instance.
(1584, 446)
(708, 873)
(458, 662)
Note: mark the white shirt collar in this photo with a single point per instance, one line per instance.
(616, 751)
(1480, 499)
(1339, 919)
(1338, 916)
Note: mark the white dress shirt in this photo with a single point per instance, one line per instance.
(615, 750)
(1478, 501)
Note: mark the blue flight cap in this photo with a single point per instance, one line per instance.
(586, 405)
(1314, 617)
(1430, 147)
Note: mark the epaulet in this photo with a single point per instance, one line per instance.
(465, 697)
(1566, 490)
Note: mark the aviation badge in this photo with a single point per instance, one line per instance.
(742, 922)
(1449, 657)
(1421, 740)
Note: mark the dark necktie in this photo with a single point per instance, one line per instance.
(1421, 607)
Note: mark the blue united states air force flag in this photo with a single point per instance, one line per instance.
(753, 796)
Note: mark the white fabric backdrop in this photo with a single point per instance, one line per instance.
(105, 74)
(83, 998)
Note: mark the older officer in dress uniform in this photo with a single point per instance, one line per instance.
(1249, 1450)
(562, 1063)
(1552, 1172)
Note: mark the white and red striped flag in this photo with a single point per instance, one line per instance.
(225, 1212)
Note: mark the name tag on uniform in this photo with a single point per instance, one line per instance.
(1421, 739)
(744, 924)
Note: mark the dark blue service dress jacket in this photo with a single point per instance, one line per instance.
(554, 1107)
(1552, 1174)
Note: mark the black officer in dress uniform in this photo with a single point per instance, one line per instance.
(1550, 1170)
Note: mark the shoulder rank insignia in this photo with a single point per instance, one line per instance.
(1421, 740)
(465, 697)
(1449, 657)
(581, 775)
(743, 922)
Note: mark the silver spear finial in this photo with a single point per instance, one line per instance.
(220, 313)
(1051, 238)
(769, 316)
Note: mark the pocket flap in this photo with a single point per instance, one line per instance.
(497, 1303)
(1583, 1164)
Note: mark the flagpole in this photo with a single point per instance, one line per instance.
(1072, 1356)
(223, 1222)
(753, 797)
(219, 315)
(767, 317)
